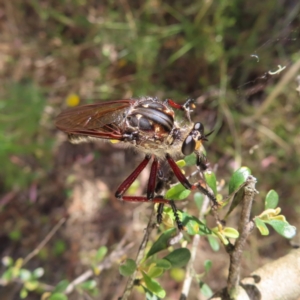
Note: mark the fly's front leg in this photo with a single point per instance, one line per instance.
(184, 181)
(186, 107)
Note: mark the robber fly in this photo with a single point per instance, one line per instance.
(148, 125)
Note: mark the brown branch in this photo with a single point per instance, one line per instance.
(44, 241)
(279, 279)
(105, 264)
(140, 256)
(245, 228)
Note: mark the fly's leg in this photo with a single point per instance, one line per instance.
(150, 190)
(186, 107)
(131, 178)
(184, 181)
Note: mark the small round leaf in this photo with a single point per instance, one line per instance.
(101, 253)
(211, 180)
(214, 243)
(153, 286)
(163, 263)
(162, 242)
(88, 285)
(283, 228)
(179, 257)
(128, 267)
(58, 296)
(231, 232)
(190, 160)
(271, 200)
(238, 178)
(177, 192)
(261, 226)
(61, 286)
(207, 265)
(194, 225)
(205, 290)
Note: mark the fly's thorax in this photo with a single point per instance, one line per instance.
(172, 143)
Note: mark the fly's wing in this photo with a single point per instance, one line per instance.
(101, 120)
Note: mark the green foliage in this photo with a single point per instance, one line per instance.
(271, 216)
(15, 271)
(127, 268)
(272, 199)
(238, 178)
(177, 192)
(22, 137)
(162, 242)
(211, 181)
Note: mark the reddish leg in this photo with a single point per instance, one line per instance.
(185, 107)
(150, 190)
(132, 177)
(152, 179)
(183, 180)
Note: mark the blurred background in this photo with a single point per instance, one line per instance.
(57, 54)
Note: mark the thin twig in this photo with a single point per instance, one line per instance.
(105, 264)
(245, 228)
(140, 256)
(190, 266)
(44, 241)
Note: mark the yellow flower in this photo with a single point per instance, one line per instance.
(72, 100)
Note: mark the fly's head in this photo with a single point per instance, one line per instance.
(193, 141)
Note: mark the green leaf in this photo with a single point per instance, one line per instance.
(231, 232)
(153, 286)
(163, 263)
(7, 261)
(214, 243)
(194, 225)
(205, 290)
(207, 265)
(23, 293)
(128, 267)
(238, 178)
(162, 242)
(211, 180)
(199, 198)
(149, 295)
(271, 200)
(59, 247)
(58, 296)
(238, 197)
(190, 160)
(154, 271)
(180, 163)
(179, 257)
(25, 274)
(101, 253)
(61, 286)
(88, 285)
(283, 228)
(261, 226)
(31, 285)
(177, 192)
(38, 272)
(7, 275)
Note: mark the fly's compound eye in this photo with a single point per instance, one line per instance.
(188, 146)
(194, 139)
(199, 127)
